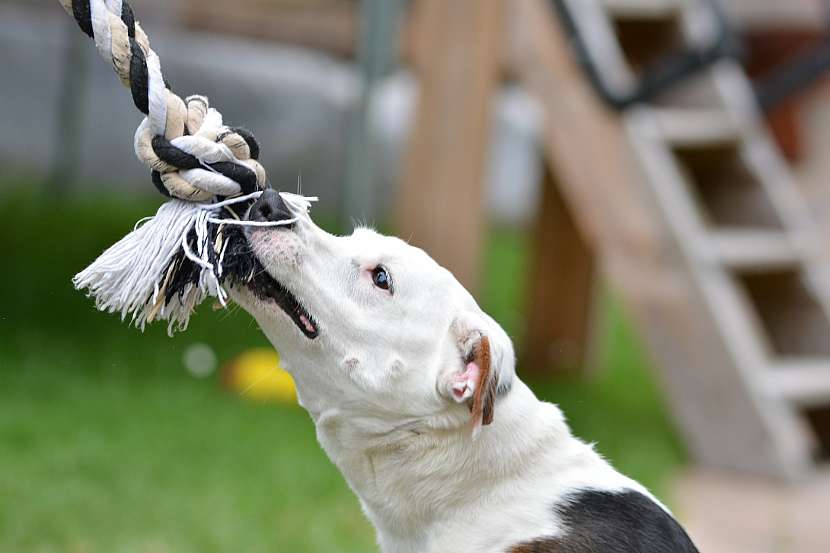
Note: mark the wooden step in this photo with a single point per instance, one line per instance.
(751, 250)
(696, 127)
(803, 382)
(641, 9)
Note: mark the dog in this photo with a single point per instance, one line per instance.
(413, 393)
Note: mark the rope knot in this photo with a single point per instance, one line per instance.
(201, 157)
(192, 155)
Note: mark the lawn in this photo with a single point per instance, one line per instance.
(107, 443)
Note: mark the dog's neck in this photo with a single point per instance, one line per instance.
(413, 474)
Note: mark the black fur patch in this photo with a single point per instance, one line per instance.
(239, 265)
(607, 522)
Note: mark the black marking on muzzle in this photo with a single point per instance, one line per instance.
(266, 287)
(240, 267)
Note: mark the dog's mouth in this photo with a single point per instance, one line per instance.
(243, 268)
(267, 288)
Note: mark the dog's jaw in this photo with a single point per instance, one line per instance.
(277, 248)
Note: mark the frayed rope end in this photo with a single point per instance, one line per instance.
(168, 264)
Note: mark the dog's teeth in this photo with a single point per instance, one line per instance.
(462, 390)
(306, 323)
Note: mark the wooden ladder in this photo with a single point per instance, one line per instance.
(706, 234)
(743, 233)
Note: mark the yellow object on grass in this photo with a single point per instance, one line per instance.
(257, 374)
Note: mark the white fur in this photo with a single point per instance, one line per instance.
(378, 382)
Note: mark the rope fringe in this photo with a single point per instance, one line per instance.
(137, 276)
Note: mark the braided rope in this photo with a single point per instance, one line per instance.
(192, 155)
(188, 250)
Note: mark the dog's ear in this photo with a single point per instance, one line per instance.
(487, 373)
(484, 398)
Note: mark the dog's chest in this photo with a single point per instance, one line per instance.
(599, 521)
(489, 525)
(430, 504)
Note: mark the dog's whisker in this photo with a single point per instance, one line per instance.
(255, 383)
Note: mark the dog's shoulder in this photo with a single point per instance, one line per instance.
(597, 521)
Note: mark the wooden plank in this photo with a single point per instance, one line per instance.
(642, 8)
(776, 14)
(752, 250)
(804, 382)
(560, 289)
(441, 200)
(696, 127)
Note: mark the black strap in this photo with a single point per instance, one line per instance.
(658, 76)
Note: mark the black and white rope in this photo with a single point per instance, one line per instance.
(192, 155)
(195, 243)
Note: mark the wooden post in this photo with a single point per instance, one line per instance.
(560, 288)
(457, 46)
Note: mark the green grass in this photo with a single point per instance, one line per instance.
(108, 445)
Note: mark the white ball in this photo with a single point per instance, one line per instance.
(199, 359)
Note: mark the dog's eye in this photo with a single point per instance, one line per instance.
(381, 278)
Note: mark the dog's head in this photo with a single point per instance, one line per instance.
(371, 325)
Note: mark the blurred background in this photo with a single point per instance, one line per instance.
(637, 190)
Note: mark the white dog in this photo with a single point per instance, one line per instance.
(413, 393)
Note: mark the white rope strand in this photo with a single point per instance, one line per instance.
(157, 95)
(101, 28)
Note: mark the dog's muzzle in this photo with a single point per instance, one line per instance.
(271, 207)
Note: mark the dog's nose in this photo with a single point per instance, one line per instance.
(269, 207)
